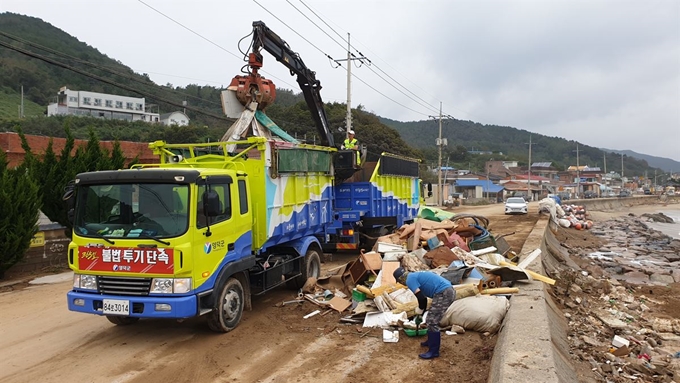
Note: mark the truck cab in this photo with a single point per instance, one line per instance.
(150, 243)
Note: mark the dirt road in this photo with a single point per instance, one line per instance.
(40, 340)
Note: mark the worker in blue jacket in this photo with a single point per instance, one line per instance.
(425, 284)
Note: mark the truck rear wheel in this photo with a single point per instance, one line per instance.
(312, 268)
(228, 307)
(122, 321)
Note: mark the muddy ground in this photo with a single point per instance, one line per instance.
(40, 340)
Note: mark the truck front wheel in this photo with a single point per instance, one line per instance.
(122, 321)
(228, 308)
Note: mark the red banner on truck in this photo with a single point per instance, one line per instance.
(126, 259)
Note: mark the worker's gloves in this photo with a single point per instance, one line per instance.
(419, 311)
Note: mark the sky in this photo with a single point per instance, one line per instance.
(600, 72)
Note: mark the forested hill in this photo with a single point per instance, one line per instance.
(42, 80)
(466, 136)
(666, 164)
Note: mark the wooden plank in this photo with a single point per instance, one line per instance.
(416, 236)
(501, 290)
(530, 258)
(372, 261)
(339, 304)
(388, 272)
(389, 288)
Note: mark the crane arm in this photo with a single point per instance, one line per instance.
(265, 38)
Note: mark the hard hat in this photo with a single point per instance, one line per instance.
(350, 132)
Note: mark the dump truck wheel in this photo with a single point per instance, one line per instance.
(122, 321)
(228, 307)
(312, 268)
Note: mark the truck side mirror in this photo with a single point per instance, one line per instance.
(70, 201)
(429, 189)
(211, 203)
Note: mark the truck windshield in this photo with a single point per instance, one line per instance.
(132, 210)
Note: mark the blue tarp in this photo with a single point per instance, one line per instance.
(269, 124)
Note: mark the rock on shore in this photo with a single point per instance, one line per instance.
(626, 286)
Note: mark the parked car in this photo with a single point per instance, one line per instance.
(646, 191)
(609, 193)
(589, 194)
(625, 193)
(516, 205)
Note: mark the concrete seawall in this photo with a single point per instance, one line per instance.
(532, 343)
(616, 204)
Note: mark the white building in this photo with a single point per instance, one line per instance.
(101, 105)
(174, 118)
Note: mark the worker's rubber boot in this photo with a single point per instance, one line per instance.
(434, 339)
(427, 342)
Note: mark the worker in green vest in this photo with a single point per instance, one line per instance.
(352, 143)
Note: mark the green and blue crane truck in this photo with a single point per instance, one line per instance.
(210, 225)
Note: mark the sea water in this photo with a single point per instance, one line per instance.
(670, 229)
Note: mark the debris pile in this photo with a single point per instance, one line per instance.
(566, 215)
(480, 266)
(622, 305)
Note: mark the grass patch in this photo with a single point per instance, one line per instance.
(9, 106)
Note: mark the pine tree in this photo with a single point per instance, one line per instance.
(19, 204)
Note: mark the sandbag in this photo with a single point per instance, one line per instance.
(479, 313)
(548, 205)
(564, 222)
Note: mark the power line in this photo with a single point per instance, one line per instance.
(384, 95)
(110, 82)
(101, 67)
(289, 27)
(310, 20)
(190, 30)
(430, 106)
(382, 78)
(400, 91)
(324, 21)
(208, 40)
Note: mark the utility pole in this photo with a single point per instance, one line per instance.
(578, 174)
(440, 187)
(621, 171)
(349, 59)
(655, 180)
(529, 194)
(487, 180)
(21, 114)
(349, 89)
(605, 172)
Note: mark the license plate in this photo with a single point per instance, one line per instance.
(116, 307)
